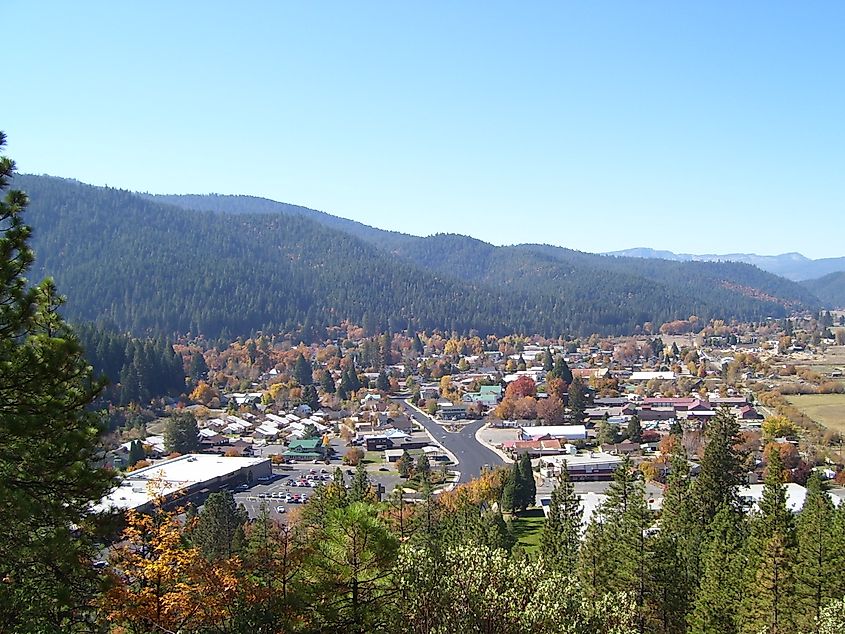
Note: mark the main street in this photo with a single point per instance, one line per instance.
(471, 454)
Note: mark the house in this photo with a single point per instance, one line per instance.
(488, 400)
(624, 448)
(451, 411)
(553, 432)
(495, 390)
(533, 447)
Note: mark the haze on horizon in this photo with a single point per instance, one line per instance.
(696, 129)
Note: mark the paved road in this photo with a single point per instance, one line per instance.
(471, 454)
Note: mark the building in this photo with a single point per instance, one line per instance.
(305, 449)
(553, 432)
(583, 467)
(451, 411)
(179, 478)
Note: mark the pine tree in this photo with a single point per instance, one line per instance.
(577, 400)
(526, 486)
(627, 522)
(819, 562)
(302, 371)
(717, 604)
(561, 370)
(510, 495)
(561, 536)
(382, 382)
(310, 397)
(595, 558)
(678, 546)
(359, 489)
(219, 528)
(48, 446)
(769, 599)
(327, 383)
(721, 467)
(548, 361)
(181, 433)
(635, 429)
(136, 453)
(422, 468)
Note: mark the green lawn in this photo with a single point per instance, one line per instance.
(527, 527)
(827, 409)
(374, 457)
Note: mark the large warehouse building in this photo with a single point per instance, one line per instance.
(182, 477)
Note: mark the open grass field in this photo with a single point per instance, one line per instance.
(527, 527)
(827, 409)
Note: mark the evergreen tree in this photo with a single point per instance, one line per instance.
(561, 534)
(819, 561)
(561, 370)
(548, 361)
(717, 604)
(635, 429)
(510, 496)
(48, 447)
(769, 600)
(422, 467)
(181, 433)
(627, 521)
(595, 558)
(677, 547)
(302, 371)
(310, 397)
(198, 367)
(359, 489)
(382, 382)
(770, 605)
(218, 533)
(327, 383)
(577, 400)
(526, 487)
(136, 453)
(721, 467)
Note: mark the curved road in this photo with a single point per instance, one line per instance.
(471, 454)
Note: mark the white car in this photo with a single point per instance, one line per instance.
(280, 509)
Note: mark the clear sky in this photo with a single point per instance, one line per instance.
(697, 127)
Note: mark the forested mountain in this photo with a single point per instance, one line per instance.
(830, 289)
(254, 205)
(792, 266)
(134, 263)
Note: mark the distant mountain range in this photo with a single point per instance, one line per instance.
(792, 266)
(232, 265)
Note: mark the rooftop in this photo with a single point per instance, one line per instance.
(169, 476)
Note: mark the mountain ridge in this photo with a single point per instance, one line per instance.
(792, 265)
(146, 264)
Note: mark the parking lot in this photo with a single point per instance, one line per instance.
(288, 485)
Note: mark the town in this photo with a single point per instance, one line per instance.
(462, 404)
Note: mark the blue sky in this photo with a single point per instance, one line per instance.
(696, 127)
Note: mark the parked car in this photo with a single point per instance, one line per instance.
(280, 509)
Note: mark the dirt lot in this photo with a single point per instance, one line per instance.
(827, 409)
